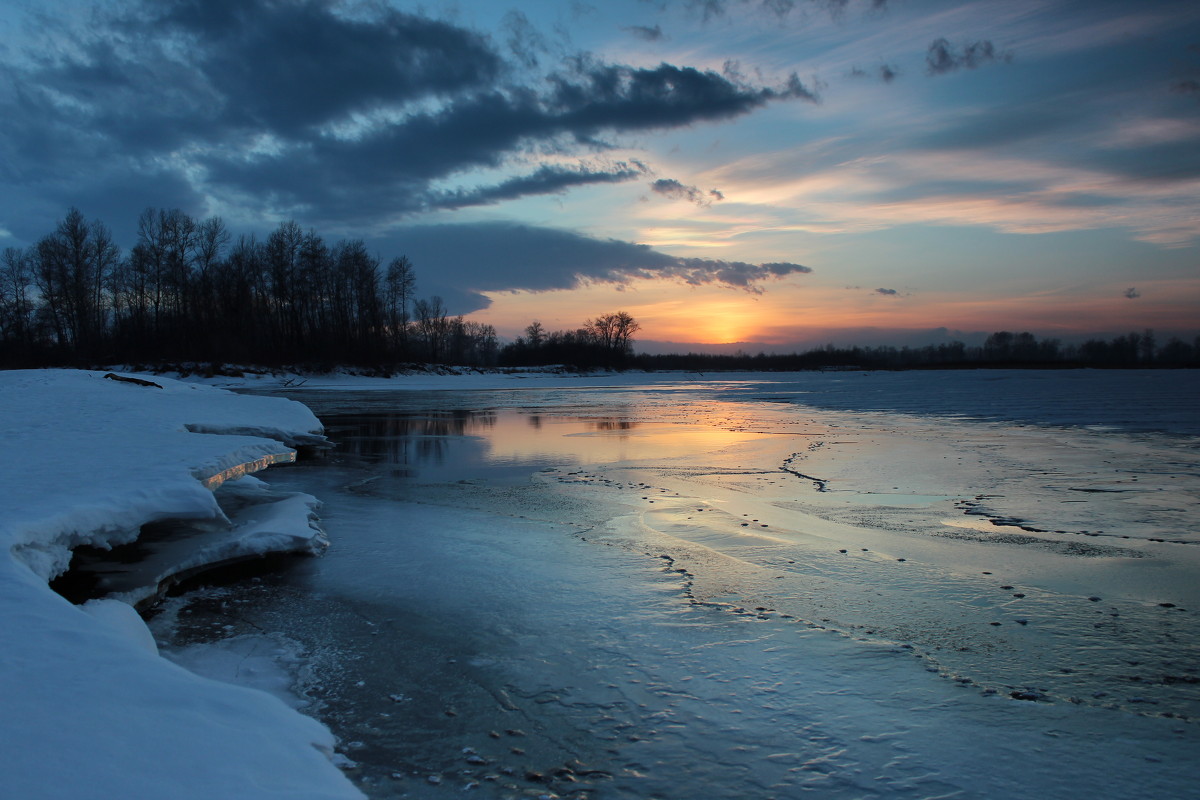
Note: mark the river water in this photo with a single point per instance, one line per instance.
(747, 588)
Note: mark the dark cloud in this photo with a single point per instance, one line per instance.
(348, 113)
(387, 171)
(701, 271)
(943, 57)
(497, 257)
(1132, 293)
(595, 96)
(887, 292)
(644, 33)
(711, 9)
(544, 180)
(285, 65)
(669, 187)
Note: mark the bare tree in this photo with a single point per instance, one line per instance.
(1146, 355)
(16, 304)
(432, 325)
(281, 252)
(613, 332)
(107, 263)
(535, 334)
(472, 343)
(71, 269)
(312, 290)
(211, 240)
(625, 326)
(177, 232)
(399, 285)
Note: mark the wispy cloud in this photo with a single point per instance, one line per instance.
(1144, 178)
(646, 34)
(884, 72)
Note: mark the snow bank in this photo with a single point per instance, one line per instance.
(90, 709)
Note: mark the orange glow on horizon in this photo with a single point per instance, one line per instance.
(800, 311)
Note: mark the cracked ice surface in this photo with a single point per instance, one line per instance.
(631, 580)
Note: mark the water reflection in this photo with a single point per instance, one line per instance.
(611, 424)
(460, 444)
(455, 444)
(431, 423)
(412, 444)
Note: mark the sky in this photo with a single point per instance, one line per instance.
(736, 174)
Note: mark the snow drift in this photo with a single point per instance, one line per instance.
(91, 710)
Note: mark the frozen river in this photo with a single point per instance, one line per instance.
(909, 585)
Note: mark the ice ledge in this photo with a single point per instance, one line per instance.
(260, 522)
(213, 480)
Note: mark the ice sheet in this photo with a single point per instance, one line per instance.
(623, 607)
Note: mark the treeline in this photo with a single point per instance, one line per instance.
(606, 341)
(1000, 349)
(187, 291)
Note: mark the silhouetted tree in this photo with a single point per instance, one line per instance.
(432, 326)
(399, 286)
(16, 303)
(535, 334)
(605, 341)
(71, 268)
(1146, 354)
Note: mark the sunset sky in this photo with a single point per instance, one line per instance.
(755, 173)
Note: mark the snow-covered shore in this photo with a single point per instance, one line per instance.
(90, 709)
